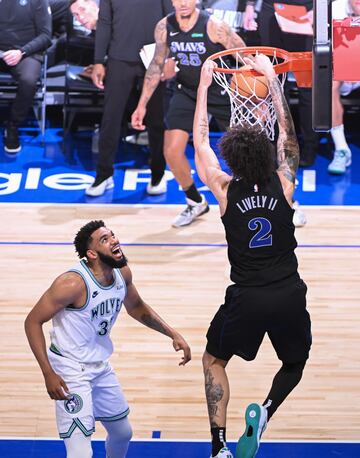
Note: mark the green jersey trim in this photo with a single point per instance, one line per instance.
(77, 424)
(55, 350)
(114, 417)
(84, 264)
(78, 309)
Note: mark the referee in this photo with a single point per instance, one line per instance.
(25, 33)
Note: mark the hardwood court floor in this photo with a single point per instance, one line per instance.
(183, 274)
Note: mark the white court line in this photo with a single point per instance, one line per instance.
(309, 181)
(290, 441)
(102, 205)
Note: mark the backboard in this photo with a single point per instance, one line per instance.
(322, 67)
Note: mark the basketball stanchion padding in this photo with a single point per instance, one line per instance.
(346, 49)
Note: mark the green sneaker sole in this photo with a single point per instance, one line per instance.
(249, 442)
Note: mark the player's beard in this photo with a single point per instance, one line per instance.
(113, 263)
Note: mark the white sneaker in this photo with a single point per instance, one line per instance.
(160, 188)
(341, 160)
(141, 139)
(99, 189)
(223, 453)
(299, 218)
(191, 212)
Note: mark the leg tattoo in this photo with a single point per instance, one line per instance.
(214, 394)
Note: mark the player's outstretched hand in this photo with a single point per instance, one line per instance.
(207, 72)
(179, 343)
(261, 64)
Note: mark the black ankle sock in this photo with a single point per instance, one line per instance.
(193, 194)
(218, 440)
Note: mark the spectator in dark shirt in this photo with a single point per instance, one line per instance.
(123, 28)
(25, 33)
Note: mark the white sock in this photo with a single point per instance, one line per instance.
(78, 445)
(338, 137)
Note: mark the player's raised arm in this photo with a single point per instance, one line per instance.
(287, 144)
(152, 75)
(207, 164)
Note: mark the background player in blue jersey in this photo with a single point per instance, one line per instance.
(267, 294)
(190, 36)
(83, 304)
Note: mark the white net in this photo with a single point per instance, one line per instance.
(247, 107)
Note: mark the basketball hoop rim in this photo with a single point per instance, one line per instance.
(293, 61)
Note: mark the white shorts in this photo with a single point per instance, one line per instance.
(96, 395)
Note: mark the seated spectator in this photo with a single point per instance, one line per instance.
(342, 153)
(25, 33)
(86, 12)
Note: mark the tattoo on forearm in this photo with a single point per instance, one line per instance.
(287, 145)
(228, 38)
(153, 323)
(214, 394)
(204, 129)
(153, 73)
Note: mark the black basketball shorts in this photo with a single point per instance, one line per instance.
(279, 310)
(182, 106)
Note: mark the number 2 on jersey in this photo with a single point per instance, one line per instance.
(263, 236)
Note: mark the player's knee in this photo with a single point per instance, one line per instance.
(168, 154)
(294, 368)
(78, 446)
(119, 431)
(208, 361)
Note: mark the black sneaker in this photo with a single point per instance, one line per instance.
(11, 140)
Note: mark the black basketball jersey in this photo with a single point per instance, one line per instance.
(260, 233)
(190, 49)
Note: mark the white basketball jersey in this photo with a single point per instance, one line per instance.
(83, 334)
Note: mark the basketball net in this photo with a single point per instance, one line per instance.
(248, 110)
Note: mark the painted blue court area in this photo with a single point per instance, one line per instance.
(59, 172)
(169, 449)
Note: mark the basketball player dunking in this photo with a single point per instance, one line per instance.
(190, 36)
(268, 295)
(84, 304)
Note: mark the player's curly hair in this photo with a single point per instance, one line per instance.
(83, 237)
(249, 154)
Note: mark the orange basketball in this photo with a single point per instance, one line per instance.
(249, 85)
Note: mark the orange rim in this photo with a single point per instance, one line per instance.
(300, 63)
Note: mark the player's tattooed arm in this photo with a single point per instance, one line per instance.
(155, 70)
(226, 36)
(287, 144)
(154, 322)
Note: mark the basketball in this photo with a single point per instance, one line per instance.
(249, 85)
